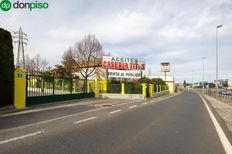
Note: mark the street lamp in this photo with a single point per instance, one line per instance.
(203, 74)
(219, 26)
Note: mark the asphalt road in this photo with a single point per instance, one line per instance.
(177, 125)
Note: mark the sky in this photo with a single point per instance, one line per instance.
(175, 31)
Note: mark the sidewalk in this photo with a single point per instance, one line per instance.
(224, 110)
(10, 110)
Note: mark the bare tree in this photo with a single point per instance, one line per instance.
(40, 64)
(68, 61)
(36, 64)
(88, 52)
(28, 65)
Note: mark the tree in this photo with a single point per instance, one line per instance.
(158, 81)
(6, 68)
(36, 64)
(40, 64)
(145, 80)
(88, 52)
(68, 61)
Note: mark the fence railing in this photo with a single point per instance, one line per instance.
(114, 88)
(133, 89)
(227, 98)
(44, 85)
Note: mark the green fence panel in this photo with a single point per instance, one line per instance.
(114, 88)
(133, 89)
(56, 98)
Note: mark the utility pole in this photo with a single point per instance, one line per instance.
(21, 39)
(192, 78)
(217, 58)
(203, 72)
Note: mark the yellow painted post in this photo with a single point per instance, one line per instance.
(151, 89)
(157, 88)
(62, 85)
(160, 87)
(123, 89)
(74, 87)
(20, 88)
(144, 88)
(96, 89)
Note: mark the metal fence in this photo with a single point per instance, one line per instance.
(46, 85)
(227, 98)
(133, 89)
(114, 88)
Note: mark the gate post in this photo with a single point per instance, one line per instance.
(144, 88)
(96, 89)
(20, 88)
(151, 89)
(74, 87)
(123, 89)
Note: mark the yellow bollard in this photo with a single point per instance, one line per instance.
(96, 89)
(123, 89)
(74, 87)
(63, 86)
(144, 88)
(151, 89)
(20, 88)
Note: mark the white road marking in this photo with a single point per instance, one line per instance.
(84, 120)
(144, 103)
(224, 140)
(132, 106)
(115, 111)
(21, 137)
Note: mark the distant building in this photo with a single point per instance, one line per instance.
(229, 85)
(221, 82)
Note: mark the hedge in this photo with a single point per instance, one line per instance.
(6, 68)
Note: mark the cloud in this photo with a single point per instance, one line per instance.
(181, 32)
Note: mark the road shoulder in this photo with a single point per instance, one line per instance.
(223, 113)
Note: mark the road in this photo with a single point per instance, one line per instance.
(177, 125)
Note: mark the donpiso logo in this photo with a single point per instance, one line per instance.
(6, 5)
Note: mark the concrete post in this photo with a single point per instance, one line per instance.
(157, 88)
(151, 89)
(123, 89)
(62, 85)
(74, 87)
(20, 88)
(88, 87)
(96, 89)
(144, 88)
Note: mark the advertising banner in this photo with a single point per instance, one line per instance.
(165, 67)
(123, 63)
(124, 74)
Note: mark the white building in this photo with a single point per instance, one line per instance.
(170, 81)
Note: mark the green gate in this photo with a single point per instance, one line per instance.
(48, 88)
